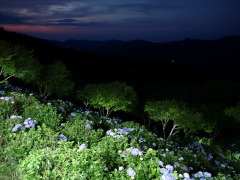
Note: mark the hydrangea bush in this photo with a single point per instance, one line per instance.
(53, 139)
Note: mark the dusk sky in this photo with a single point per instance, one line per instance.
(153, 20)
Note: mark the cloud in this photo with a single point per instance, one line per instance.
(125, 17)
(6, 19)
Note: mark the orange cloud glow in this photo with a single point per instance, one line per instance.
(44, 29)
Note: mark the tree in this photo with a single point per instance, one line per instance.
(233, 112)
(17, 61)
(177, 113)
(88, 94)
(190, 121)
(109, 97)
(55, 78)
(213, 117)
(164, 111)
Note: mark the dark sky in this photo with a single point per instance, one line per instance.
(153, 20)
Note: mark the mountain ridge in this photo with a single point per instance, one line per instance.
(208, 56)
(177, 59)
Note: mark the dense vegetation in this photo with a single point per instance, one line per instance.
(43, 137)
(54, 139)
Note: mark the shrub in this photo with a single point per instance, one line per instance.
(63, 162)
(22, 142)
(80, 130)
(43, 114)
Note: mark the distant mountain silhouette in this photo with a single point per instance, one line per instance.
(189, 70)
(219, 57)
(138, 61)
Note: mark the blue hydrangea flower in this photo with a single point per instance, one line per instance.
(73, 114)
(125, 130)
(140, 140)
(198, 174)
(160, 163)
(61, 137)
(61, 109)
(207, 174)
(16, 127)
(176, 164)
(185, 168)
(186, 175)
(168, 177)
(171, 152)
(123, 154)
(131, 172)
(169, 168)
(88, 126)
(144, 147)
(224, 165)
(29, 123)
(117, 120)
(164, 171)
(7, 98)
(15, 117)
(120, 168)
(134, 151)
(110, 133)
(82, 146)
(181, 159)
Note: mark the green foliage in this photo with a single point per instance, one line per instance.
(43, 114)
(88, 94)
(141, 136)
(181, 116)
(165, 111)
(7, 107)
(21, 143)
(95, 150)
(213, 119)
(109, 97)
(80, 130)
(63, 162)
(17, 61)
(233, 112)
(55, 78)
(191, 121)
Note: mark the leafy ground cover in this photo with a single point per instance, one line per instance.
(54, 139)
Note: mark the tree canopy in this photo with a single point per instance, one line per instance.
(178, 113)
(17, 61)
(55, 78)
(108, 97)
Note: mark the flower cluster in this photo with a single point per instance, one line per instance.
(133, 151)
(131, 172)
(119, 131)
(7, 98)
(82, 147)
(88, 124)
(61, 137)
(73, 114)
(2, 92)
(167, 172)
(27, 123)
(202, 175)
